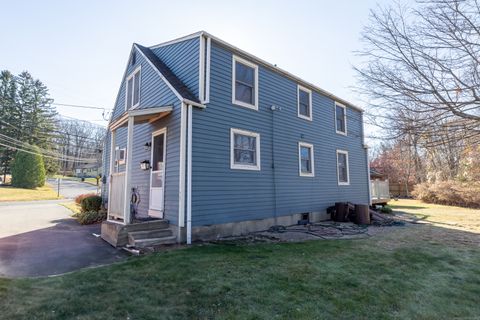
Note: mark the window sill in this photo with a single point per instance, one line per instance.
(308, 175)
(343, 183)
(341, 133)
(305, 117)
(245, 105)
(244, 167)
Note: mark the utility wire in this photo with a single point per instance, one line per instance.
(32, 152)
(79, 106)
(14, 141)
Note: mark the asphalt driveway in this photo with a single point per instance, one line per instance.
(39, 238)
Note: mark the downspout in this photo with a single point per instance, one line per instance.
(189, 174)
(369, 185)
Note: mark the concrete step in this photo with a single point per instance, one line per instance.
(157, 233)
(143, 243)
(147, 225)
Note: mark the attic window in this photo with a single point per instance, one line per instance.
(134, 58)
(132, 97)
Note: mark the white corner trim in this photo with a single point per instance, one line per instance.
(338, 104)
(343, 183)
(130, 76)
(234, 165)
(312, 154)
(181, 183)
(255, 98)
(189, 174)
(201, 69)
(207, 77)
(299, 87)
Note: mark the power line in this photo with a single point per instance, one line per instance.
(79, 106)
(43, 155)
(14, 141)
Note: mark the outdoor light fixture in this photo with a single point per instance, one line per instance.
(147, 146)
(145, 165)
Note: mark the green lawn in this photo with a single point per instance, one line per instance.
(8, 193)
(405, 273)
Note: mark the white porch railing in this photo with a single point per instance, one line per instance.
(116, 200)
(380, 190)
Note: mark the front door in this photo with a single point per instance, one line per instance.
(157, 175)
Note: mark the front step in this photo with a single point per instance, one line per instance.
(147, 225)
(149, 234)
(150, 242)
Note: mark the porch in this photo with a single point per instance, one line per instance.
(122, 226)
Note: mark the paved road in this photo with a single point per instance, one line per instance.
(70, 188)
(40, 238)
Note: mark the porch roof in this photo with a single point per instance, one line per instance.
(141, 116)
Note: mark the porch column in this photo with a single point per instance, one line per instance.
(112, 168)
(128, 171)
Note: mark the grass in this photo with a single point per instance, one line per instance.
(72, 206)
(8, 193)
(405, 273)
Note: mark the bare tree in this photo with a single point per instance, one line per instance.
(421, 69)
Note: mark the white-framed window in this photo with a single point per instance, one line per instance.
(244, 83)
(132, 87)
(340, 118)
(304, 103)
(244, 149)
(120, 155)
(306, 165)
(343, 172)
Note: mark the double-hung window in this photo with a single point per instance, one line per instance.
(342, 168)
(304, 103)
(306, 164)
(132, 98)
(340, 118)
(244, 150)
(244, 83)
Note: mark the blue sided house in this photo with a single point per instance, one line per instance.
(207, 140)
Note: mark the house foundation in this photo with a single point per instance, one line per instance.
(216, 231)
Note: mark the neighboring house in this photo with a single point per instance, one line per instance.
(217, 142)
(88, 171)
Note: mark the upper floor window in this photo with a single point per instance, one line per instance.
(342, 168)
(133, 90)
(340, 118)
(304, 103)
(244, 83)
(244, 150)
(305, 159)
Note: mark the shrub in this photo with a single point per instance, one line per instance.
(28, 170)
(386, 209)
(79, 198)
(90, 217)
(453, 193)
(91, 203)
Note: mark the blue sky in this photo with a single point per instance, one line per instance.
(79, 48)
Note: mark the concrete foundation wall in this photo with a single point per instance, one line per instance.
(216, 231)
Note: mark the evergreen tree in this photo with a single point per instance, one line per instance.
(26, 114)
(28, 170)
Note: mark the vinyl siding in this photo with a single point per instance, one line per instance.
(183, 59)
(153, 93)
(221, 194)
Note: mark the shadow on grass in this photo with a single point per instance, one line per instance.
(394, 206)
